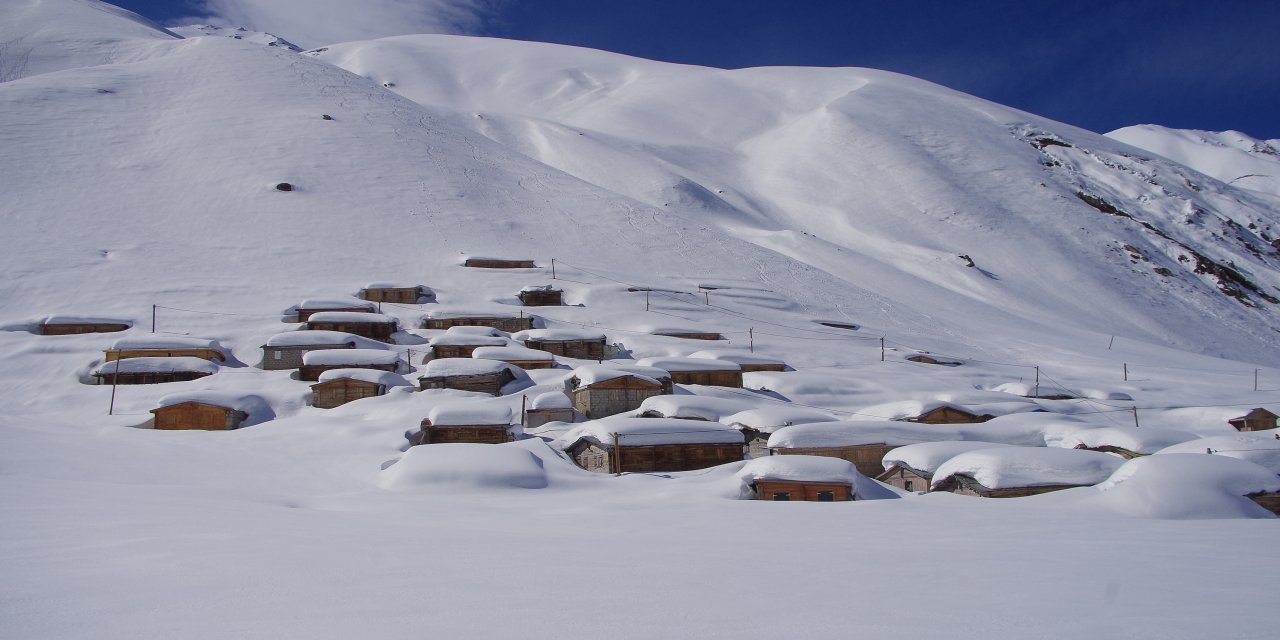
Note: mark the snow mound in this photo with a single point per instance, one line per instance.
(736, 357)
(590, 374)
(651, 431)
(510, 353)
(1259, 447)
(158, 365)
(1012, 467)
(468, 367)
(385, 378)
(1186, 486)
(558, 334)
(331, 357)
(688, 364)
(235, 33)
(1144, 440)
(772, 417)
(309, 337)
(468, 339)
(470, 412)
(847, 433)
(453, 466)
(693, 406)
(255, 406)
(551, 400)
(163, 342)
(926, 457)
(810, 469)
(352, 316)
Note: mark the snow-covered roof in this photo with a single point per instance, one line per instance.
(152, 341)
(157, 365)
(346, 303)
(659, 329)
(1188, 486)
(558, 334)
(551, 400)
(331, 357)
(694, 406)
(1143, 440)
(538, 288)
(651, 431)
(903, 409)
(470, 412)
(800, 468)
(64, 318)
(464, 367)
(1013, 467)
(456, 465)
(512, 352)
(688, 364)
(847, 433)
(474, 331)
(590, 374)
(397, 284)
(738, 357)
(771, 417)
(376, 376)
(1259, 447)
(445, 314)
(468, 339)
(351, 317)
(250, 404)
(925, 457)
(314, 337)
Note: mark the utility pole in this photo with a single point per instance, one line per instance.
(1111, 342)
(553, 268)
(153, 318)
(1135, 417)
(881, 349)
(646, 300)
(707, 295)
(1255, 379)
(751, 345)
(1036, 393)
(617, 455)
(1126, 371)
(115, 380)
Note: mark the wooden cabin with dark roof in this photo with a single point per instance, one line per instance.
(397, 292)
(307, 308)
(1258, 419)
(75, 325)
(950, 414)
(479, 262)
(509, 323)
(541, 296)
(154, 370)
(337, 387)
(315, 363)
(468, 374)
(566, 343)
(648, 445)
(466, 422)
(197, 414)
(599, 391)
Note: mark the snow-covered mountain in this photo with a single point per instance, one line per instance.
(1230, 156)
(235, 33)
(837, 220)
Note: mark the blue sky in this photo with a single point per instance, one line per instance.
(1099, 65)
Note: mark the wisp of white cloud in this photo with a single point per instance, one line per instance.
(313, 23)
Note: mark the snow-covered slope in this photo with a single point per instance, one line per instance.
(1230, 156)
(881, 179)
(40, 36)
(848, 196)
(257, 37)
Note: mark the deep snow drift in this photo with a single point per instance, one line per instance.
(803, 214)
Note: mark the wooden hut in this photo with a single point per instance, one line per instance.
(466, 422)
(75, 325)
(928, 359)
(646, 445)
(523, 357)
(206, 410)
(285, 350)
(541, 296)
(548, 407)
(862, 442)
(566, 343)
(307, 308)
(507, 322)
(759, 424)
(469, 374)
(369, 325)
(479, 262)
(155, 370)
(704, 371)
(1258, 419)
(314, 363)
(458, 343)
(1011, 472)
(396, 292)
(688, 334)
(164, 347)
(599, 391)
(947, 413)
(337, 387)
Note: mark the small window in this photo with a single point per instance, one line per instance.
(275, 355)
(909, 485)
(826, 496)
(781, 497)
